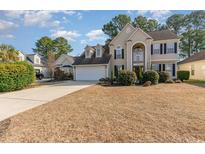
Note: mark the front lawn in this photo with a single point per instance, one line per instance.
(161, 113)
(200, 83)
(195, 81)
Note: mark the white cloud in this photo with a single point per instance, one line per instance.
(41, 18)
(38, 18)
(69, 35)
(14, 14)
(159, 15)
(7, 25)
(79, 15)
(69, 12)
(83, 42)
(9, 36)
(96, 35)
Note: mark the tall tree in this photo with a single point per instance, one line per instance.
(192, 39)
(140, 22)
(44, 45)
(163, 27)
(61, 46)
(197, 19)
(175, 22)
(8, 53)
(152, 25)
(58, 46)
(51, 66)
(117, 23)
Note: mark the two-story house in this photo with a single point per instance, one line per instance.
(132, 49)
(39, 63)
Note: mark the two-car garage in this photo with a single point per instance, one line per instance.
(91, 72)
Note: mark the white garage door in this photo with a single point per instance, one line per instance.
(90, 72)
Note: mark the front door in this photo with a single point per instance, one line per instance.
(138, 70)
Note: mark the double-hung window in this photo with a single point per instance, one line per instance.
(156, 49)
(155, 67)
(97, 52)
(119, 53)
(170, 47)
(138, 55)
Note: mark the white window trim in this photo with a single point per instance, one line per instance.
(170, 48)
(156, 48)
(98, 49)
(118, 52)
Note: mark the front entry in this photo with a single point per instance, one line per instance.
(138, 70)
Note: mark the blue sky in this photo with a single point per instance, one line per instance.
(22, 28)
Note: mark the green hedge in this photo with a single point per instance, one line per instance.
(14, 76)
(183, 75)
(163, 76)
(126, 78)
(152, 76)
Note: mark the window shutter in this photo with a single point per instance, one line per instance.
(161, 48)
(160, 67)
(175, 47)
(152, 49)
(115, 70)
(165, 48)
(173, 70)
(114, 54)
(122, 67)
(163, 67)
(122, 53)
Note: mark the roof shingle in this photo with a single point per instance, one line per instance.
(162, 35)
(81, 60)
(198, 56)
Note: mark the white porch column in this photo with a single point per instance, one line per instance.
(129, 55)
(148, 54)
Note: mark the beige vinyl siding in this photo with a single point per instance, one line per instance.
(197, 69)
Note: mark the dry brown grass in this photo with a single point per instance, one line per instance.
(161, 113)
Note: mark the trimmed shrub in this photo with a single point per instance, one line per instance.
(15, 76)
(126, 78)
(163, 76)
(183, 75)
(152, 76)
(61, 75)
(105, 81)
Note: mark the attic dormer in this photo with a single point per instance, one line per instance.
(37, 59)
(88, 51)
(98, 51)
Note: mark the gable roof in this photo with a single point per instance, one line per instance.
(128, 24)
(162, 35)
(139, 29)
(81, 60)
(196, 57)
(64, 57)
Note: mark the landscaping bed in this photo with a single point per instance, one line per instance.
(159, 113)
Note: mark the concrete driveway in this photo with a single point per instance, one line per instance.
(15, 102)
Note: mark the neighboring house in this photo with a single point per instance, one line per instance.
(195, 65)
(39, 63)
(132, 49)
(64, 62)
